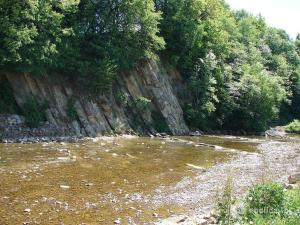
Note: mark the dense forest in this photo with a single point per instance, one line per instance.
(239, 73)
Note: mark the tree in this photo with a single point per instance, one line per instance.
(256, 99)
(110, 36)
(30, 32)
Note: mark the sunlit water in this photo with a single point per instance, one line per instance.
(99, 181)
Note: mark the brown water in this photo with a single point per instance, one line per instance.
(99, 181)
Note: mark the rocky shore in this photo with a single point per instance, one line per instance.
(14, 130)
(277, 161)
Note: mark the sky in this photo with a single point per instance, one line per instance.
(284, 14)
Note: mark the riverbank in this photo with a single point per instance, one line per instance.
(275, 161)
(13, 129)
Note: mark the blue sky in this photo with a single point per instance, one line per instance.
(284, 14)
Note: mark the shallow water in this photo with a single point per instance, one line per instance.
(101, 180)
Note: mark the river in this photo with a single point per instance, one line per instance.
(126, 180)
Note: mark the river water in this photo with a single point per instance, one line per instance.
(104, 180)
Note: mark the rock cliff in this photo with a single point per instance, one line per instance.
(106, 114)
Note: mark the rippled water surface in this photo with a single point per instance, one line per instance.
(101, 180)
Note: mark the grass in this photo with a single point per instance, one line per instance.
(288, 214)
(265, 204)
(293, 127)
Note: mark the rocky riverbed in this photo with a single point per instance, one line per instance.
(274, 161)
(133, 180)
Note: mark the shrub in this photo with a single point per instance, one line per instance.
(71, 111)
(7, 100)
(290, 214)
(121, 98)
(159, 122)
(143, 104)
(265, 199)
(293, 127)
(34, 112)
(225, 204)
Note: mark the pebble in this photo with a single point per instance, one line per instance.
(117, 221)
(202, 222)
(27, 210)
(64, 187)
(155, 215)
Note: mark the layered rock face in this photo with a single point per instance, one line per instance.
(101, 115)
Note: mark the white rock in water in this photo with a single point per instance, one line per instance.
(64, 187)
(155, 215)
(27, 210)
(195, 167)
(117, 221)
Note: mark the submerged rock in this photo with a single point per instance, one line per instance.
(64, 187)
(27, 210)
(117, 221)
(195, 167)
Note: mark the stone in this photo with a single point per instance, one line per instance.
(64, 187)
(202, 222)
(89, 184)
(196, 133)
(195, 167)
(27, 210)
(294, 178)
(117, 221)
(291, 186)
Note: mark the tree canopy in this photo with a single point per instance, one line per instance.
(239, 72)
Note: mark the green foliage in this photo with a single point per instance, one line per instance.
(121, 98)
(288, 211)
(202, 86)
(265, 204)
(256, 98)
(143, 104)
(293, 127)
(31, 32)
(109, 37)
(225, 204)
(87, 40)
(34, 112)
(192, 37)
(239, 73)
(159, 122)
(71, 111)
(265, 199)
